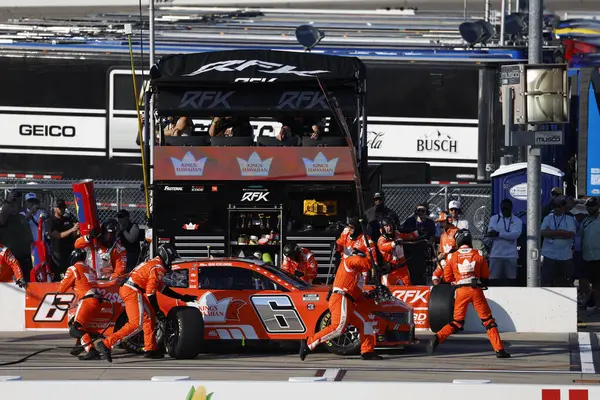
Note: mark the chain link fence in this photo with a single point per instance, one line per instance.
(111, 196)
(475, 202)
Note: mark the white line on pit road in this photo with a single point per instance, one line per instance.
(331, 374)
(585, 352)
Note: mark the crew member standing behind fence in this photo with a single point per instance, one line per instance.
(63, 233)
(129, 237)
(590, 247)
(417, 254)
(503, 231)
(15, 232)
(376, 214)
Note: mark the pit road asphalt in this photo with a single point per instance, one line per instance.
(537, 358)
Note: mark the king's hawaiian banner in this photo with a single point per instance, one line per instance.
(253, 163)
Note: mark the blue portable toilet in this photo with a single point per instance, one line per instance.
(510, 182)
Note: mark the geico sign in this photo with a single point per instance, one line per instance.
(47, 130)
(412, 296)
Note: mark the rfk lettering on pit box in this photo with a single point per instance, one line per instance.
(574, 394)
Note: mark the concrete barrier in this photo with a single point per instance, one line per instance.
(236, 390)
(12, 303)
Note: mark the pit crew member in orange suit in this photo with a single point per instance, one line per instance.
(392, 252)
(353, 237)
(82, 279)
(138, 294)
(468, 270)
(345, 294)
(111, 256)
(300, 262)
(9, 267)
(447, 245)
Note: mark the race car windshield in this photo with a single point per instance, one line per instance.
(291, 279)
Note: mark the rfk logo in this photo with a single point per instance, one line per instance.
(415, 296)
(205, 99)
(53, 307)
(255, 196)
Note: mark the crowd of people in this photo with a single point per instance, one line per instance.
(25, 225)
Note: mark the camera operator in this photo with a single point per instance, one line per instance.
(129, 237)
(15, 232)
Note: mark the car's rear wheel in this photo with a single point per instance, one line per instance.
(183, 333)
(441, 306)
(348, 343)
(134, 344)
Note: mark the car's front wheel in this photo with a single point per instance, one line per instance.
(348, 343)
(183, 333)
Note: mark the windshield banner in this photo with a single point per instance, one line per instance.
(253, 163)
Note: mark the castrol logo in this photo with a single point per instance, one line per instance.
(412, 296)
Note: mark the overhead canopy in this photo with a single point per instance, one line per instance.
(255, 82)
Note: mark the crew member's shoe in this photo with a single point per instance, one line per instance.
(371, 356)
(502, 354)
(433, 344)
(304, 350)
(154, 354)
(105, 351)
(92, 355)
(75, 351)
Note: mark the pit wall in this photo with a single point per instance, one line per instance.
(516, 309)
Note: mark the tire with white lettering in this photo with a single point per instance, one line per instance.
(134, 344)
(441, 306)
(184, 333)
(348, 343)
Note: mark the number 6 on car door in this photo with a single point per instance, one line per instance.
(278, 314)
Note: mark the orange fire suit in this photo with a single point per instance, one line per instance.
(346, 292)
(145, 280)
(110, 263)
(447, 242)
(461, 268)
(393, 254)
(9, 265)
(308, 265)
(345, 245)
(82, 279)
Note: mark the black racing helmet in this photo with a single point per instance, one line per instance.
(291, 250)
(463, 237)
(167, 253)
(109, 231)
(355, 223)
(77, 255)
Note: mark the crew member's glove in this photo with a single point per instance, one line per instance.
(299, 273)
(160, 316)
(188, 298)
(21, 283)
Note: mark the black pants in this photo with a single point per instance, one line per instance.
(26, 265)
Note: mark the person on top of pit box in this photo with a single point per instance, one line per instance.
(468, 270)
(141, 305)
(392, 252)
(111, 256)
(299, 261)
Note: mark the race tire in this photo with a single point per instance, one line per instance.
(184, 333)
(441, 306)
(345, 345)
(134, 344)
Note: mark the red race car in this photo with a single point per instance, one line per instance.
(244, 300)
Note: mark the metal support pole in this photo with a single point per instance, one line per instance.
(150, 117)
(509, 7)
(151, 29)
(502, 14)
(534, 165)
(488, 5)
(465, 10)
(118, 198)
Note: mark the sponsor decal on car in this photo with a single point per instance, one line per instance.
(310, 297)
(213, 310)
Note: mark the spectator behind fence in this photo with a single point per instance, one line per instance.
(417, 254)
(376, 214)
(64, 229)
(550, 205)
(503, 232)
(129, 235)
(558, 230)
(15, 232)
(455, 213)
(579, 273)
(32, 212)
(590, 247)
